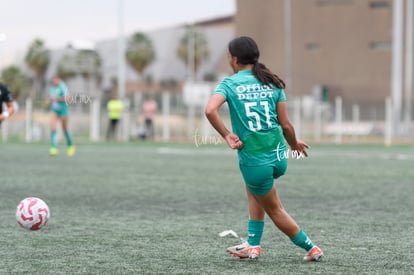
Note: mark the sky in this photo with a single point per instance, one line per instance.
(58, 22)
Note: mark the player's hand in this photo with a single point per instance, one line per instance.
(4, 115)
(233, 141)
(48, 102)
(301, 147)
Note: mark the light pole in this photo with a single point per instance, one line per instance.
(408, 66)
(288, 44)
(121, 51)
(191, 77)
(396, 65)
(4, 132)
(191, 53)
(121, 71)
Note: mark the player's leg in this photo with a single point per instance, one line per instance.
(53, 151)
(251, 248)
(65, 122)
(71, 148)
(151, 127)
(111, 130)
(254, 177)
(114, 128)
(274, 208)
(108, 131)
(272, 204)
(256, 220)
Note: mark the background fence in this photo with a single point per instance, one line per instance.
(176, 120)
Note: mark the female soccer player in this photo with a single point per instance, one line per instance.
(5, 97)
(59, 110)
(260, 126)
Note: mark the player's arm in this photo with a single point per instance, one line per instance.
(55, 98)
(8, 99)
(213, 116)
(63, 97)
(7, 113)
(51, 99)
(288, 129)
(60, 98)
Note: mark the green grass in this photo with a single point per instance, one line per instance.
(143, 208)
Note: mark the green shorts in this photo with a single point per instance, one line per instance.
(61, 113)
(259, 179)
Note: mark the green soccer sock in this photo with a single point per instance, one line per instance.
(255, 232)
(68, 138)
(53, 139)
(302, 240)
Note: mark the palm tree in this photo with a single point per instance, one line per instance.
(200, 51)
(140, 52)
(38, 58)
(17, 82)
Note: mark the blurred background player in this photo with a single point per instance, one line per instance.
(114, 108)
(59, 111)
(257, 105)
(7, 99)
(150, 108)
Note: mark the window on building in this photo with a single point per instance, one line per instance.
(379, 4)
(312, 46)
(380, 45)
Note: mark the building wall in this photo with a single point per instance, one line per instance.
(342, 44)
(263, 21)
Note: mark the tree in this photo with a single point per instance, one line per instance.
(17, 82)
(38, 58)
(200, 51)
(140, 52)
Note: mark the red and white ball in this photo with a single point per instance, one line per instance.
(32, 213)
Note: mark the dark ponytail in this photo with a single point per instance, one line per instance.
(247, 52)
(266, 76)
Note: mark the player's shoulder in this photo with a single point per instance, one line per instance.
(279, 93)
(62, 85)
(223, 83)
(5, 92)
(230, 81)
(62, 88)
(3, 87)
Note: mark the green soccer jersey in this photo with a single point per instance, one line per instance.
(253, 114)
(59, 91)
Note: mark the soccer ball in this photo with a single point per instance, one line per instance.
(32, 213)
